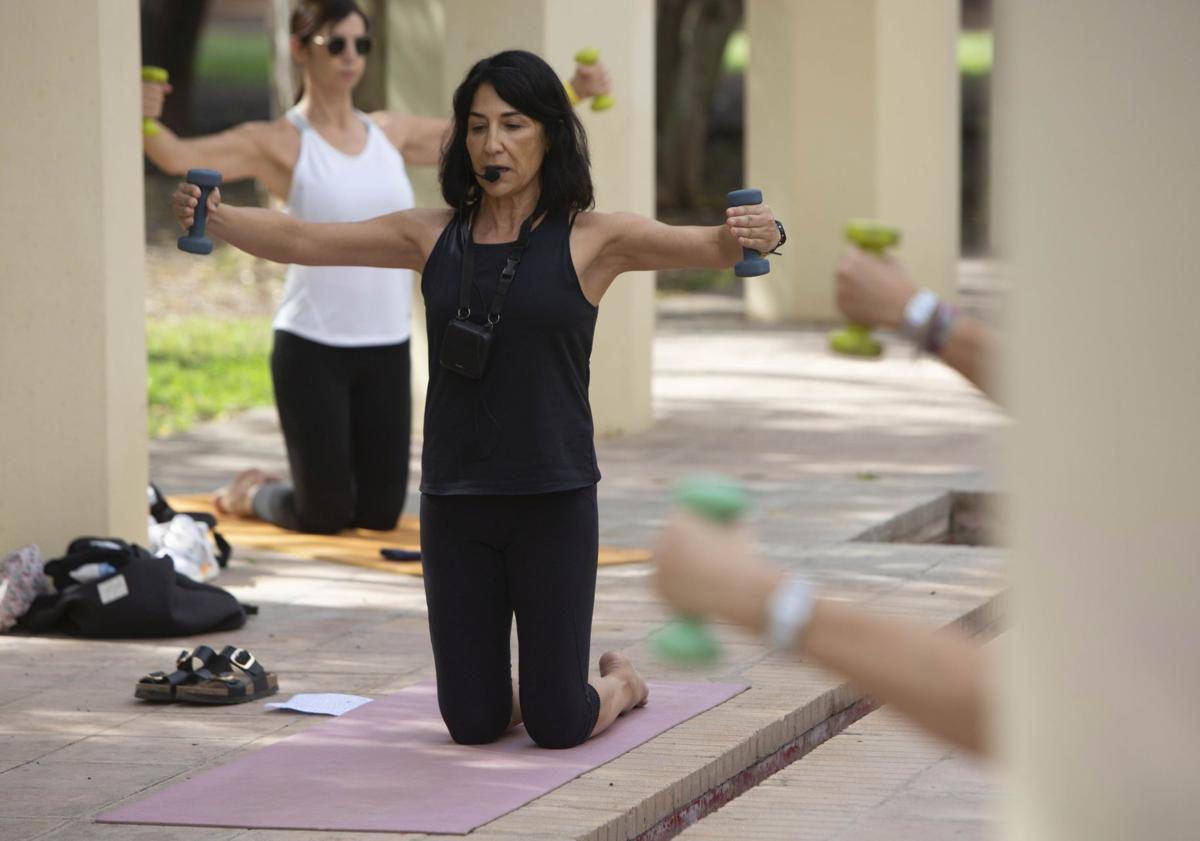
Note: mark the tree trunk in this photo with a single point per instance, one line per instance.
(691, 39)
(170, 33)
(283, 76)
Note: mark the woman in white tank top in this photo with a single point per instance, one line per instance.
(340, 362)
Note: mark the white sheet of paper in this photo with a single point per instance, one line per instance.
(319, 703)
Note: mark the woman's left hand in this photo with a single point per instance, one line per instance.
(591, 80)
(710, 569)
(753, 226)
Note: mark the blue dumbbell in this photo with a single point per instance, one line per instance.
(752, 263)
(195, 242)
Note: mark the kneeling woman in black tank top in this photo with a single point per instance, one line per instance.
(512, 277)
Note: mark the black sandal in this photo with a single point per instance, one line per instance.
(190, 667)
(236, 677)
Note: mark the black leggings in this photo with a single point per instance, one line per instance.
(487, 558)
(346, 418)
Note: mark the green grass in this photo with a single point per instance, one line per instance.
(238, 57)
(201, 369)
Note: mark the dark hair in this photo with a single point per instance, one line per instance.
(311, 15)
(531, 86)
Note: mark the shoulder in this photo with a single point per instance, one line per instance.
(424, 225)
(609, 227)
(394, 125)
(269, 135)
(594, 221)
(431, 217)
(267, 130)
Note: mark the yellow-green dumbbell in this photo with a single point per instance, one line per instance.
(875, 237)
(686, 639)
(587, 57)
(153, 74)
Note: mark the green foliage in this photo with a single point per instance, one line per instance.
(238, 57)
(695, 280)
(201, 369)
(975, 52)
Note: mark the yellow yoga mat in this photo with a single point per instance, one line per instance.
(359, 547)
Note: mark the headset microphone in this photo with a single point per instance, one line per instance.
(491, 173)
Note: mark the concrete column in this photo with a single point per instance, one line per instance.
(415, 85)
(1099, 124)
(852, 109)
(426, 54)
(72, 262)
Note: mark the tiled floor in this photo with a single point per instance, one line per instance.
(828, 447)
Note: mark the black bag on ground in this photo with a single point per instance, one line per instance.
(140, 596)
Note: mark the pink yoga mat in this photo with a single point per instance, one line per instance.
(389, 766)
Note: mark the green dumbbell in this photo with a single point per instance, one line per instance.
(587, 57)
(153, 74)
(875, 237)
(686, 639)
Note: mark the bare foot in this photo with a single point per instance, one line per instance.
(237, 497)
(615, 663)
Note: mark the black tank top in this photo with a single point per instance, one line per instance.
(526, 427)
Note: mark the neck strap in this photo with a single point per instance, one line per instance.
(506, 274)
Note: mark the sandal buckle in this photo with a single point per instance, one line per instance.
(242, 653)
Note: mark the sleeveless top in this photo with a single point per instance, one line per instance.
(526, 426)
(347, 306)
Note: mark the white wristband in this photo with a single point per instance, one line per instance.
(918, 314)
(789, 608)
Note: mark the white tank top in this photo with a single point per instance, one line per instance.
(347, 306)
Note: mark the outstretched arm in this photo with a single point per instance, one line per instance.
(938, 678)
(875, 290)
(613, 243)
(419, 139)
(239, 152)
(397, 240)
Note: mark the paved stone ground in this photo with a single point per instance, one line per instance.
(881, 779)
(828, 446)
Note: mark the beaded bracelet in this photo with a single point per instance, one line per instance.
(939, 328)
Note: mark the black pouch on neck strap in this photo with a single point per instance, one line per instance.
(465, 344)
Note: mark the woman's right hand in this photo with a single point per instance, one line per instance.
(872, 289)
(153, 96)
(704, 569)
(185, 199)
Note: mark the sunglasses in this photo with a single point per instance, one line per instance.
(336, 44)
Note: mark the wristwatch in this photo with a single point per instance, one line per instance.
(918, 314)
(789, 608)
(782, 238)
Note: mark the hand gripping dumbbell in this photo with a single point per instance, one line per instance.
(876, 238)
(587, 57)
(752, 263)
(152, 74)
(686, 639)
(195, 242)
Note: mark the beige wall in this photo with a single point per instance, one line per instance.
(427, 60)
(852, 109)
(1099, 127)
(72, 349)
